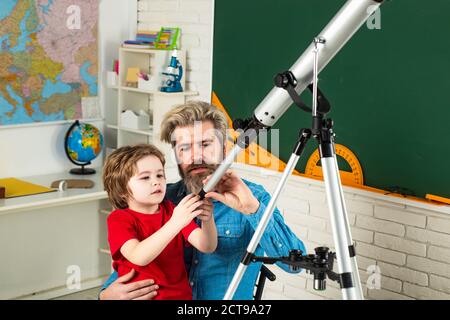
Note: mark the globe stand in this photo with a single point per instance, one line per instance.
(82, 170)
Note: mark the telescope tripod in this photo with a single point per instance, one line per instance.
(321, 263)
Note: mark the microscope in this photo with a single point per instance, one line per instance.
(172, 79)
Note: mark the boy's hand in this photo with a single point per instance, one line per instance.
(186, 210)
(207, 210)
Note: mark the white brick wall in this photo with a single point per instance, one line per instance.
(439, 254)
(194, 17)
(401, 216)
(381, 226)
(403, 274)
(408, 241)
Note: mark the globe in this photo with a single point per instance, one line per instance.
(83, 143)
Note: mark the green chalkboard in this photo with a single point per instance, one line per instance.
(389, 87)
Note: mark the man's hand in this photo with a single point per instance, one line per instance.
(233, 192)
(119, 290)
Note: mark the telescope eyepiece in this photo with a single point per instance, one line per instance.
(320, 261)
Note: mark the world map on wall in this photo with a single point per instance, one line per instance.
(48, 59)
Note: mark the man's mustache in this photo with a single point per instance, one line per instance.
(209, 167)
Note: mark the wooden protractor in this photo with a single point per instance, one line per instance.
(350, 178)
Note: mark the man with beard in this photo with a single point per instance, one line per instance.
(197, 133)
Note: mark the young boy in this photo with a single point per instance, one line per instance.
(147, 233)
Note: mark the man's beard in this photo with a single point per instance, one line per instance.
(194, 182)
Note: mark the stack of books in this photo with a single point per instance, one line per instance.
(166, 39)
(149, 37)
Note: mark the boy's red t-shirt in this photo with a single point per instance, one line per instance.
(168, 269)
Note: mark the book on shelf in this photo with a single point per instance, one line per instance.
(149, 37)
(133, 44)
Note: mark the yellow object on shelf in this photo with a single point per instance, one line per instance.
(17, 188)
(132, 75)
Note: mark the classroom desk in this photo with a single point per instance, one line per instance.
(46, 238)
(56, 198)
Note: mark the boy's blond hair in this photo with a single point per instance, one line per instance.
(187, 114)
(120, 166)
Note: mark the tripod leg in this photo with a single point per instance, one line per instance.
(264, 274)
(350, 280)
(348, 233)
(305, 134)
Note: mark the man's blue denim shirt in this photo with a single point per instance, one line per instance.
(210, 274)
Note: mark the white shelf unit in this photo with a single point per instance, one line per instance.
(154, 102)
